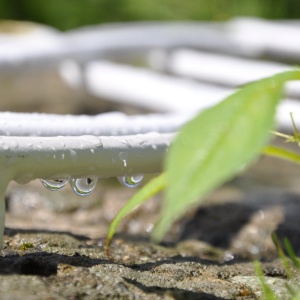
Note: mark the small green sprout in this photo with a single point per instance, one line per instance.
(268, 293)
(292, 138)
(283, 153)
(291, 265)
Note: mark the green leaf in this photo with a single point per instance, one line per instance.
(215, 145)
(152, 188)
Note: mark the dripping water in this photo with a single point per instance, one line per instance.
(83, 186)
(54, 184)
(131, 181)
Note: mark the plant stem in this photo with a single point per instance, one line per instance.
(281, 153)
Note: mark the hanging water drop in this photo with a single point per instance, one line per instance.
(24, 178)
(131, 181)
(54, 184)
(83, 186)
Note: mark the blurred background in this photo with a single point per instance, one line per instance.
(49, 45)
(68, 14)
(97, 56)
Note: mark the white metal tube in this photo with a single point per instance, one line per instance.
(107, 124)
(26, 158)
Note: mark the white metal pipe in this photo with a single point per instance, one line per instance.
(246, 37)
(226, 70)
(26, 158)
(106, 124)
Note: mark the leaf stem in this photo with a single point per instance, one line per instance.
(281, 153)
(153, 187)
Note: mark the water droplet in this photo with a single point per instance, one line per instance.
(54, 184)
(13, 145)
(123, 156)
(73, 155)
(125, 142)
(24, 178)
(83, 186)
(131, 181)
(228, 256)
(254, 249)
(149, 227)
